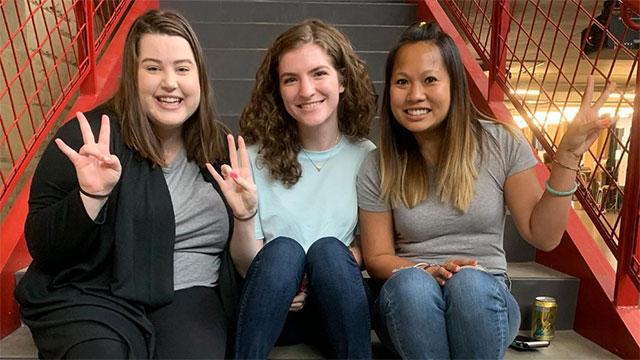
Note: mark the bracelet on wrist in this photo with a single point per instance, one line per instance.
(248, 217)
(559, 193)
(562, 165)
(423, 266)
(93, 196)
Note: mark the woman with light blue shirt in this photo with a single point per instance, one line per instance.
(305, 125)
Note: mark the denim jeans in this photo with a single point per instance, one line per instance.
(472, 316)
(336, 294)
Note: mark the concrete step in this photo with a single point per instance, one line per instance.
(337, 12)
(530, 279)
(242, 63)
(566, 345)
(516, 248)
(261, 35)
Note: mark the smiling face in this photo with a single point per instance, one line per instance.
(168, 83)
(420, 88)
(310, 86)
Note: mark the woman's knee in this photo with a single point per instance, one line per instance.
(280, 261)
(326, 247)
(282, 250)
(98, 349)
(411, 289)
(471, 284)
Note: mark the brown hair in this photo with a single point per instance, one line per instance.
(403, 169)
(203, 134)
(265, 119)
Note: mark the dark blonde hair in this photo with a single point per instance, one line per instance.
(403, 169)
(203, 134)
(265, 119)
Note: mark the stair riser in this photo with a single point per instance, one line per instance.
(565, 291)
(225, 64)
(260, 36)
(289, 12)
(516, 248)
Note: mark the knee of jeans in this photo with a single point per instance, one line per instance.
(410, 287)
(282, 250)
(470, 284)
(283, 245)
(326, 248)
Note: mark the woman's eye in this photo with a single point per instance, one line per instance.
(430, 79)
(183, 69)
(320, 73)
(288, 80)
(152, 68)
(401, 82)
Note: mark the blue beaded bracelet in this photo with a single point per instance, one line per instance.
(555, 192)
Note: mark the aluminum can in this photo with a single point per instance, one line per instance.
(543, 318)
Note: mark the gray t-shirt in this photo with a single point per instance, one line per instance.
(202, 225)
(435, 232)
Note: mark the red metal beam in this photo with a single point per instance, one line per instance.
(627, 283)
(499, 31)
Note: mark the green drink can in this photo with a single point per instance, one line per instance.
(543, 318)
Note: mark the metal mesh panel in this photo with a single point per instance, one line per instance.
(550, 49)
(43, 57)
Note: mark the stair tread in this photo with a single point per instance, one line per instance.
(533, 270)
(566, 345)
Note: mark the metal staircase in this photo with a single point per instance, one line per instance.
(235, 35)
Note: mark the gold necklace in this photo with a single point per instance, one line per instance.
(316, 166)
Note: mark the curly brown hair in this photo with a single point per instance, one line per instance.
(265, 119)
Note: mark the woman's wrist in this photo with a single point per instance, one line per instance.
(94, 196)
(567, 160)
(246, 217)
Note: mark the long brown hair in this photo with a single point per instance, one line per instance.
(265, 119)
(404, 172)
(203, 134)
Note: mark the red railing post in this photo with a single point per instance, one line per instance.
(499, 32)
(88, 86)
(628, 272)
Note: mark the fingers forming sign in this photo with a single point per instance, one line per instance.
(98, 171)
(236, 181)
(587, 124)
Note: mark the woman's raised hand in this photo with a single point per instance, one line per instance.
(236, 181)
(586, 126)
(98, 170)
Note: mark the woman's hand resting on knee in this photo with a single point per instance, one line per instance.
(442, 273)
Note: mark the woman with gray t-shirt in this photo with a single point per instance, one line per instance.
(432, 204)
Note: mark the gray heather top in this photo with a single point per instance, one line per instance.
(434, 231)
(202, 225)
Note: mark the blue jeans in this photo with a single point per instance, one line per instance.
(337, 299)
(472, 316)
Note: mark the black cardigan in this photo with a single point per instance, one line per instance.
(123, 261)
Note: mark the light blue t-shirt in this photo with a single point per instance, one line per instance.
(322, 203)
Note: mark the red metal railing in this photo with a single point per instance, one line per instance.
(47, 49)
(538, 53)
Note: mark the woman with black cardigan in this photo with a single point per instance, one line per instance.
(128, 230)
